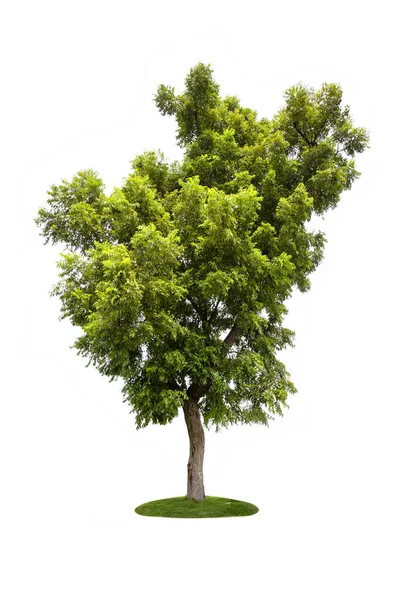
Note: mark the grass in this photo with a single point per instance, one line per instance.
(182, 508)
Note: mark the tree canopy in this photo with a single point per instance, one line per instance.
(178, 279)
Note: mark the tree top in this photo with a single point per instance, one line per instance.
(178, 279)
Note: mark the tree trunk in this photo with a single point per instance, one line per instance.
(195, 485)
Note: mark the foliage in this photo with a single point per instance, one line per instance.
(178, 279)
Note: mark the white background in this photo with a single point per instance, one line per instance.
(77, 80)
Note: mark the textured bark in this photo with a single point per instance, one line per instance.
(195, 484)
(233, 336)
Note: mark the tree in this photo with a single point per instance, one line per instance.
(178, 279)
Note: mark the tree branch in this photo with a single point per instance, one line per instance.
(201, 314)
(197, 390)
(301, 134)
(233, 336)
(173, 385)
(214, 313)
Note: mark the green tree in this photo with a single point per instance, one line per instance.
(178, 279)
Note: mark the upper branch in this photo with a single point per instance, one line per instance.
(197, 390)
(301, 134)
(233, 336)
(200, 312)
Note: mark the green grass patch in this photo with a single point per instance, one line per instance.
(182, 508)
